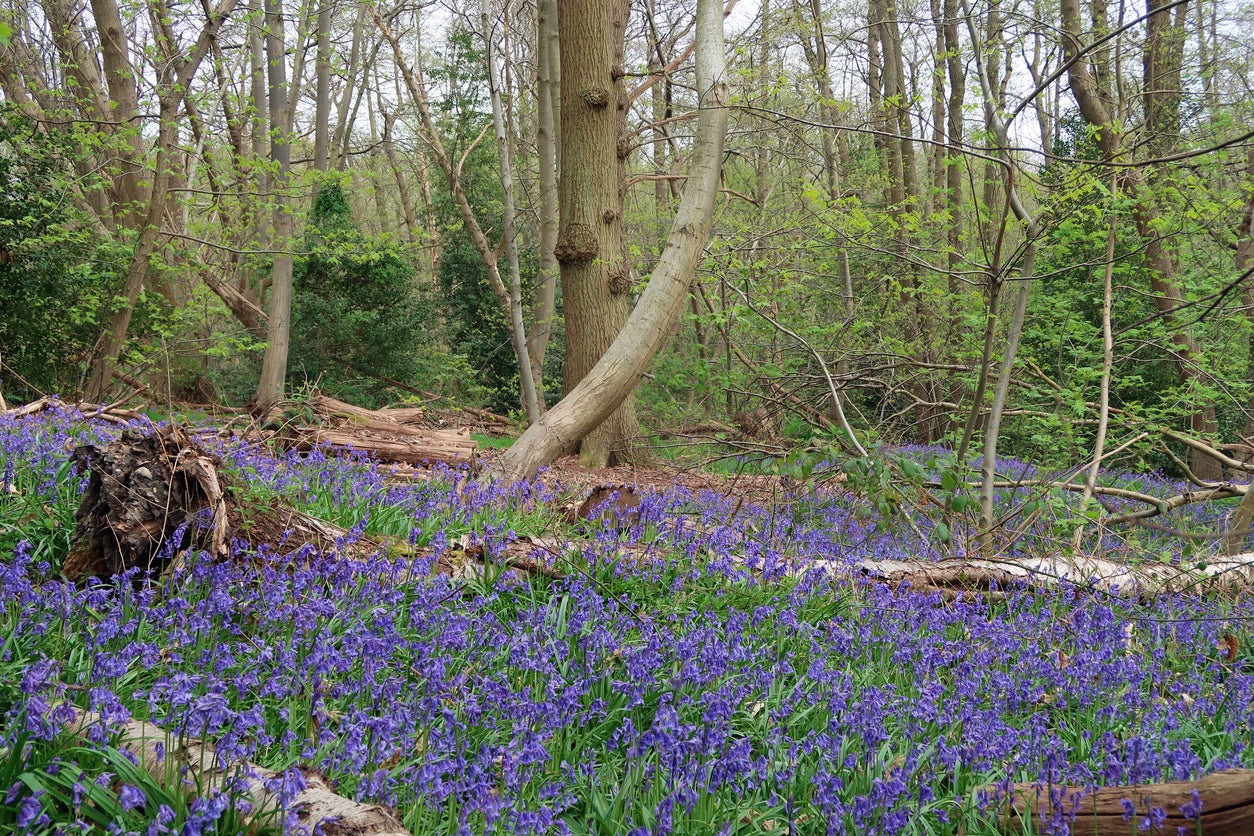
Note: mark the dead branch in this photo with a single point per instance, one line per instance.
(171, 758)
(1222, 575)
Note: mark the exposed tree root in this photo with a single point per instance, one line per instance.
(151, 495)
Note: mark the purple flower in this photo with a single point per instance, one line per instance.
(131, 797)
(1192, 809)
(30, 812)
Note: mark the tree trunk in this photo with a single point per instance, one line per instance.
(591, 247)
(452, 175)
(173, 84)
(402, 187)
(339, 137)
(1245, 264)
(322, 100)
(518, 330)
(1027, 267)
(548, 71)
(611, 379)
(279, 321)
(137, 271)
(124, 109)
(1161, 63)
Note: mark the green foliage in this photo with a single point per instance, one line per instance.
(56, 276)
(475, 325)
(356, 311)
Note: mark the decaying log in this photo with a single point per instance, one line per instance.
(143, 490)
(1134, 581)
(164, 756)
(1227, 807)
(151, 495)
(395, 434)
(432, 446)
(329, 407)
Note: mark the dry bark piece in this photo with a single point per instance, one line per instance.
(616, 504)
(317, 805)
(1227, 806)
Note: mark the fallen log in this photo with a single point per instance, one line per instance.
(428, 447)
(165, 756)
(1143, 581)
(113, 413)
(1226, 808)
(329, 407)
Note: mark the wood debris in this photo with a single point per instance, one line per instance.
(399, 434)
(1226, 806)
(152, 495)
(316, 806)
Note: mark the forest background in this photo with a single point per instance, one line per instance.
(1018, 224)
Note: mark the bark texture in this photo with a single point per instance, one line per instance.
(591, 249)
(1227, 807)
(153, 495)
(279, 321)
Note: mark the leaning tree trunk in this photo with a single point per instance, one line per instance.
(608, 383)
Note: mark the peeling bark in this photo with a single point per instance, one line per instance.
(153, 495)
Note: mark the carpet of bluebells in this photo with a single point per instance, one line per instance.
(701, 681)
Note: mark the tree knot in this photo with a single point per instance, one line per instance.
(595, 97)
(575, 243)
(619, 280)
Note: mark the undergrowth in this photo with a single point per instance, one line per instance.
(695, 673)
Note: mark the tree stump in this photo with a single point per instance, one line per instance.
(153, 495)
